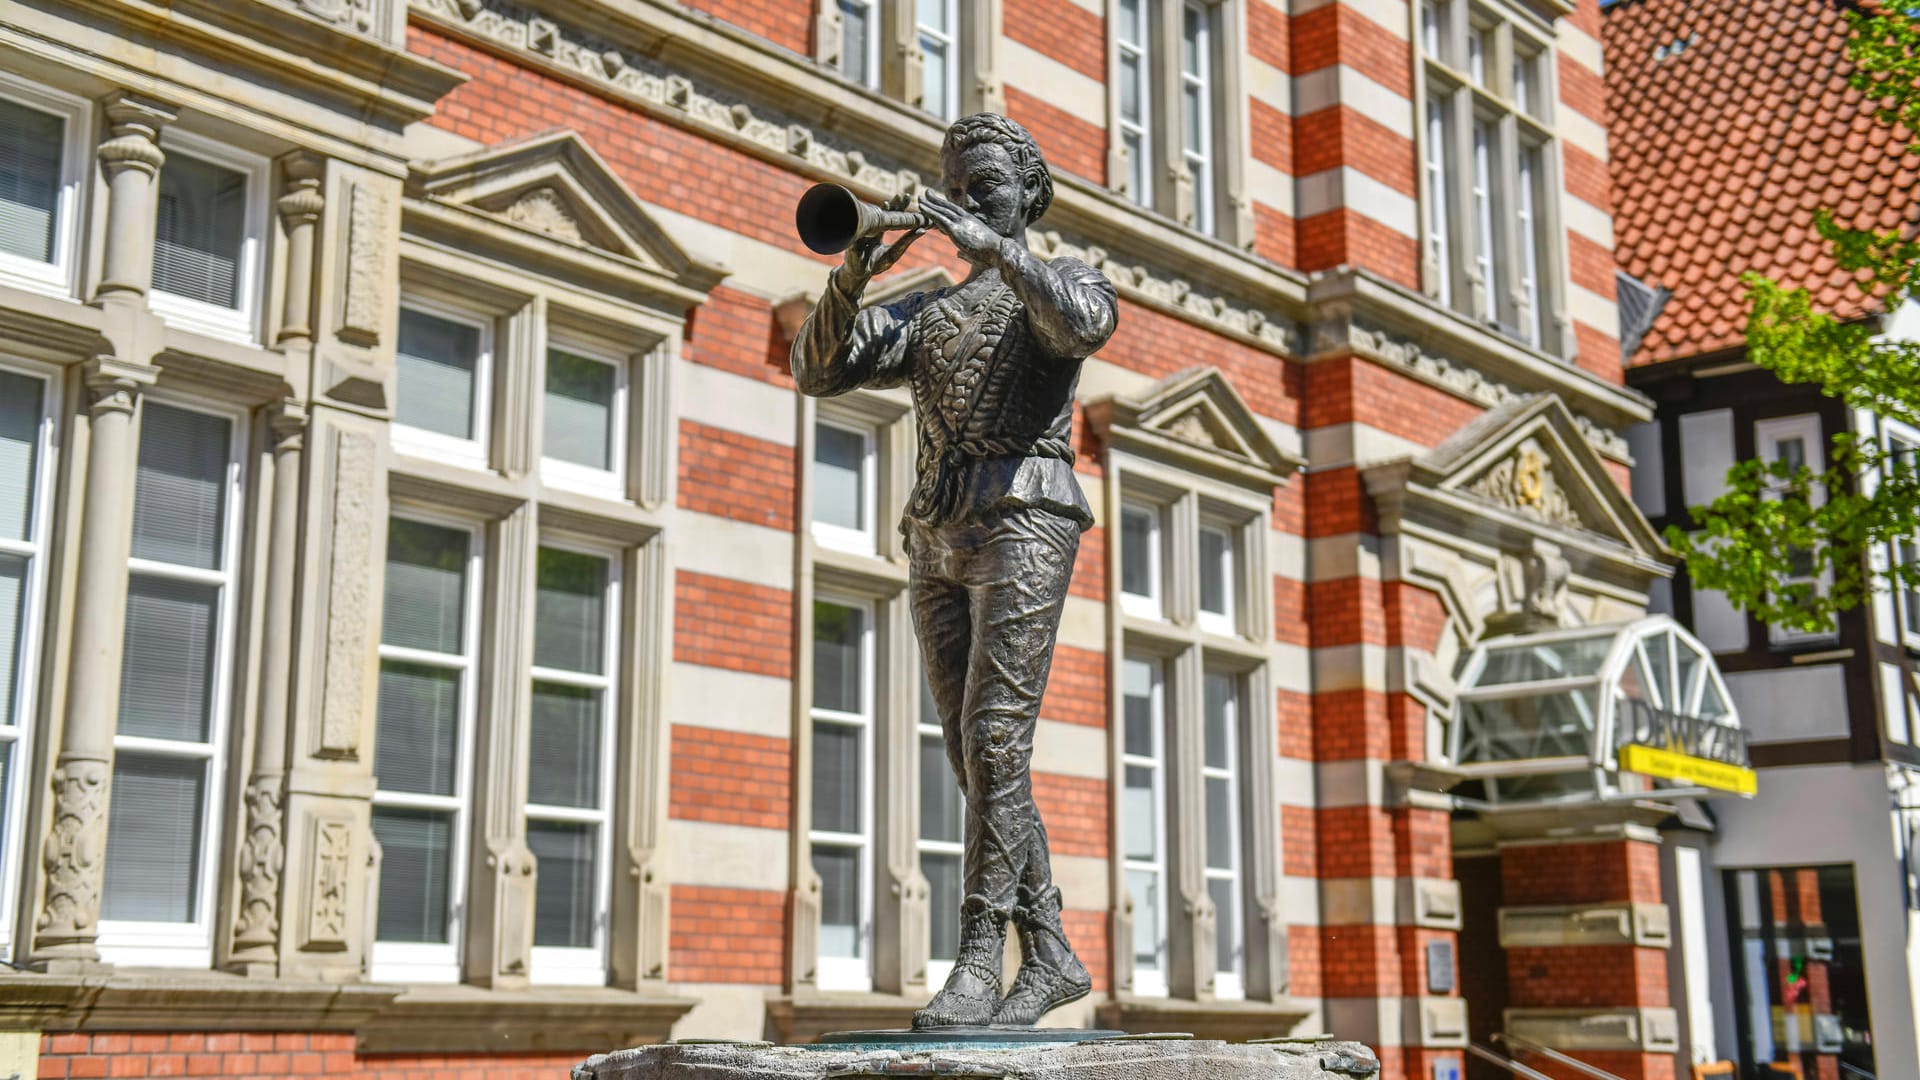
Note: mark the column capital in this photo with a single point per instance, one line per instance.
(135, 121)
(288, 422)
(302, 201)
(114, 386)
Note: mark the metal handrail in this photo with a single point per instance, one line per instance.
(1855, 1070)
(1553, 1055)
(1507, 1063)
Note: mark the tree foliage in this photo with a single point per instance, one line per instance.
(1780, 524)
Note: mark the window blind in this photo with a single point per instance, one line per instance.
(180, 487)
(944, 884)
(30, 146)
(579, 410)
(20, 406)
(942, 811)
(837, 633)
(1226, 936)
(563, 903)
(153, 838)
(425, 588)
(438, 369)
(13, 602)
(166, 682)
(416, 744)
(839, 870)
(836, 778)
(416, 865)
(202, 228)
(570, 612)
(565, 756)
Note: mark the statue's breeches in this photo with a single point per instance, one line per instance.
(987, 597)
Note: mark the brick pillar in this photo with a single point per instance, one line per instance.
(1586, 935)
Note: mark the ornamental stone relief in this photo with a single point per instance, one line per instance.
(542, 209)
(1524, 483)
(76, 848)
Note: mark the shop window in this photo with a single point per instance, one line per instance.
(1800, 976)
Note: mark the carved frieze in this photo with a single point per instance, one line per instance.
(365, 300)
(75, 857)
(351, 601)
(356, 15)
(262, 854)
(544, 210)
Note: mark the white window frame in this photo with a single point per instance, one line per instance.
(863, 541)
(929, 726)
(1225, 623)
(870, 47)
(947, 40)
(57, 278)
(563, 966)
(1196, 147)
(16, 740)
(1906, 602)
(473, 453)
(841, 972)
(1482, 198)
(1136, 135)
(1768, 434)
(1524, 216)
(1145, 605)
(1151, 983)
(241, 323)
(1438, 229)
(607, 483)
(157, 944)
(1229, 985)
(436, 962)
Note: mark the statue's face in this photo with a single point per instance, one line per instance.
(983, 179)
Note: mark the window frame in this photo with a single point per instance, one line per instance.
(611, 482)
(1223, 623)
(1151, 605)
(439, 962)
(1229, 985)
(864, 541)
(838, 972)
(1202, 173)
(949, 41)
(576, 966)
(1768, 434)
(1906, 602)
(1156, 983)
(1138, 174)
(870, 54)
(191, 944)
(925, 727)
(242, 322)
(474, 452)
(17, 738)
(1160, 176)
(60, 276)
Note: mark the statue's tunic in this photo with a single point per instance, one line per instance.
(994, 520)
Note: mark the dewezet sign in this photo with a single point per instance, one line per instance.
(1659, 742)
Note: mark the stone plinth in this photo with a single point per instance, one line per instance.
(977, 1055)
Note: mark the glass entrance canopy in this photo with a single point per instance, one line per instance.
(1544, 716)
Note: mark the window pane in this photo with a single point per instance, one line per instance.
(1220, 694)
(1215, 555)
(1144, 887)
(20, 403)
(855, 28)
(839, 870)
(837, 777)
(13, 605)
(1226, 914)
(1129, 28)
(153, 839)
(579, 426)
(570, 612)
(932, 13)
(942, 811)
(1220, 824)
(934, 80)
(180, 486)
(1136, 551)
(166, 683)
(838, 631)
(438, 366)
(416, 865)
(563, 904)
(426, 587)
(1130, 87)
(1140, 814)
(30, 143)
(944, 888)
(418, 728)
(565, 758)
(839, 477)
(202, 227)
(1136, 167)
(1136, 688)
(1193, 36)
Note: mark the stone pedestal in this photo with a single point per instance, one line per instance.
(987, 1054)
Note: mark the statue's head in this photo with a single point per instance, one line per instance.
(992, 167)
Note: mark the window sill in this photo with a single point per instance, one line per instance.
(474, 1019)
(805, 1017)
(1231, 1021)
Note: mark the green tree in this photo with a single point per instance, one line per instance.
(1780, 523)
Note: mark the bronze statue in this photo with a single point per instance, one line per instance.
(995, 516)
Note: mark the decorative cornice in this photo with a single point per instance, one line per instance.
(674, 97)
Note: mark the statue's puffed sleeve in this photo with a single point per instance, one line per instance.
(843, 345)
(1071, 307)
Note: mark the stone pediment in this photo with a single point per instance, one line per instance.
(1195, 416)
(555, 187)
(1528, 462)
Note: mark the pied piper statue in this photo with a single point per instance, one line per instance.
(995, 515)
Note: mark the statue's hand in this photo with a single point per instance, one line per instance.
(873, 255)
(974, 239)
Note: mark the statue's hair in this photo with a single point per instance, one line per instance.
(994, 128)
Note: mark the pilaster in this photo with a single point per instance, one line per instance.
(130, 159)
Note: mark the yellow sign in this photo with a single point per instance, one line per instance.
(1668, 765)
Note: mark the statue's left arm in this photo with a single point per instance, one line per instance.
(1071, 307)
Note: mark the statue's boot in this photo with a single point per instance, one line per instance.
(1050, 974)
(972, 992)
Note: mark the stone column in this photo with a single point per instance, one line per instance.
(262, 852)
(300, 206)
(131, 160)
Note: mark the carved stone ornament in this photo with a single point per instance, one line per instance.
(351, 595)
(262, 855)
(1191, 426)
(75, 857)
(331, 873)
(1524, 483)
(544, 210)
(352, 14)
(365, 300)
(1546, 575)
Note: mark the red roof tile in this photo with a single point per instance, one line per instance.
(1732, 123)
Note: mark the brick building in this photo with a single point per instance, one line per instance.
(447, 645)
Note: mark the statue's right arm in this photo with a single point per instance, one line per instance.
(843, 345)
